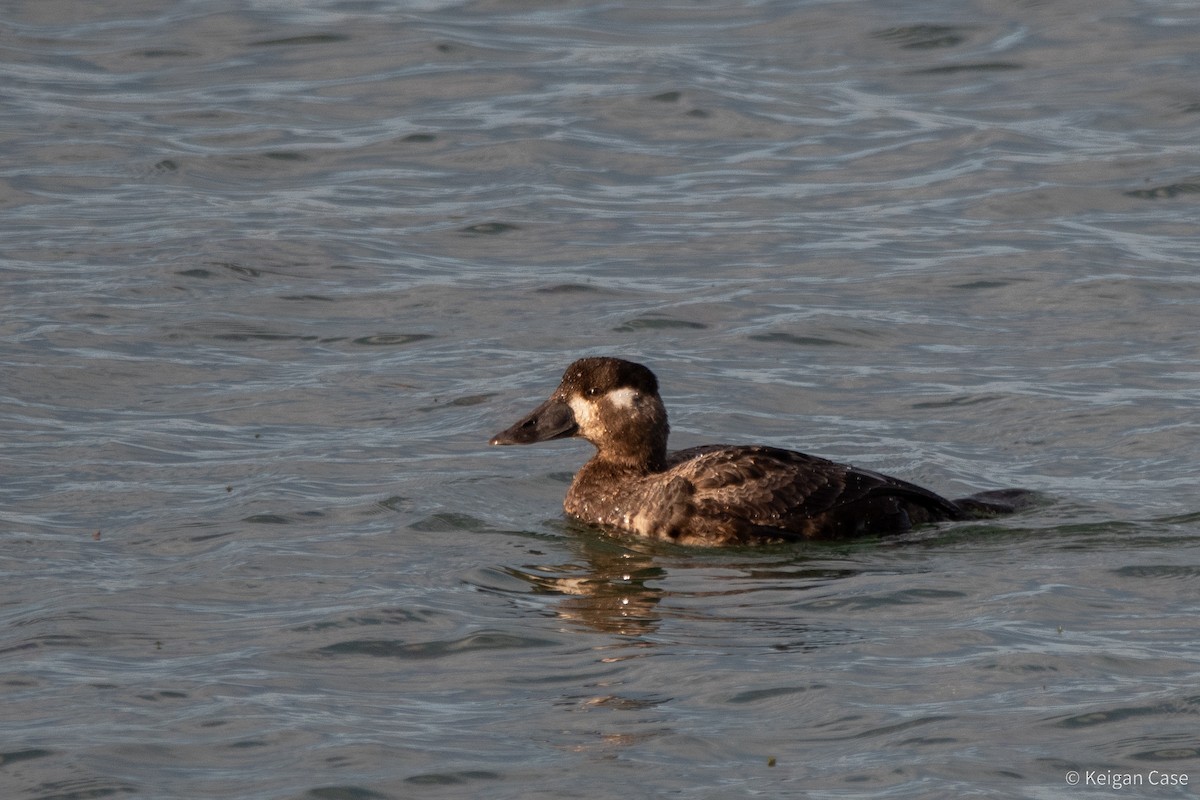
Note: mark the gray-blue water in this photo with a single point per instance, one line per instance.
(273, 272)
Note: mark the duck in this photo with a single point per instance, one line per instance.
(718, 494)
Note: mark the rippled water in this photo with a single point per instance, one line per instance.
(273, 273)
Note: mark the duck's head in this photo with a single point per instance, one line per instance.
(612, 403)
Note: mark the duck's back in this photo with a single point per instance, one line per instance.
(746, 493)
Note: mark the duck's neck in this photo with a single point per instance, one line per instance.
(640, 452)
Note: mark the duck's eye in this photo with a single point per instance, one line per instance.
(594, 391)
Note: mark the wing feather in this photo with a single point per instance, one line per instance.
(766, 487)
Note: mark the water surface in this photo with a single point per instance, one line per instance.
(273, 274)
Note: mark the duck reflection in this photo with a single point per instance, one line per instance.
(608, 588)
(616, 585)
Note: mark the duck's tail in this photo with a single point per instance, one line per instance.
(998, 502)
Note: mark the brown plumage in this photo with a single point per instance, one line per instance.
(715, 494)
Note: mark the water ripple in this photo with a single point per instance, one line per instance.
(274, 272)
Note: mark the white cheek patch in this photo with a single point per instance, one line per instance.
(584, 411)
(588, 412)
(622, 398)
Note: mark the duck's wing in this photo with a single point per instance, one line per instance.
(804, 495)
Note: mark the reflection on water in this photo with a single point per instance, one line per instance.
(616, 585)
(613, 590)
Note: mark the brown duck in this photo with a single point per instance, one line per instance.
(717, 494)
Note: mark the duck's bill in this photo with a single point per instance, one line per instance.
(553, 419)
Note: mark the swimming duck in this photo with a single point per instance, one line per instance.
(715, 494)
